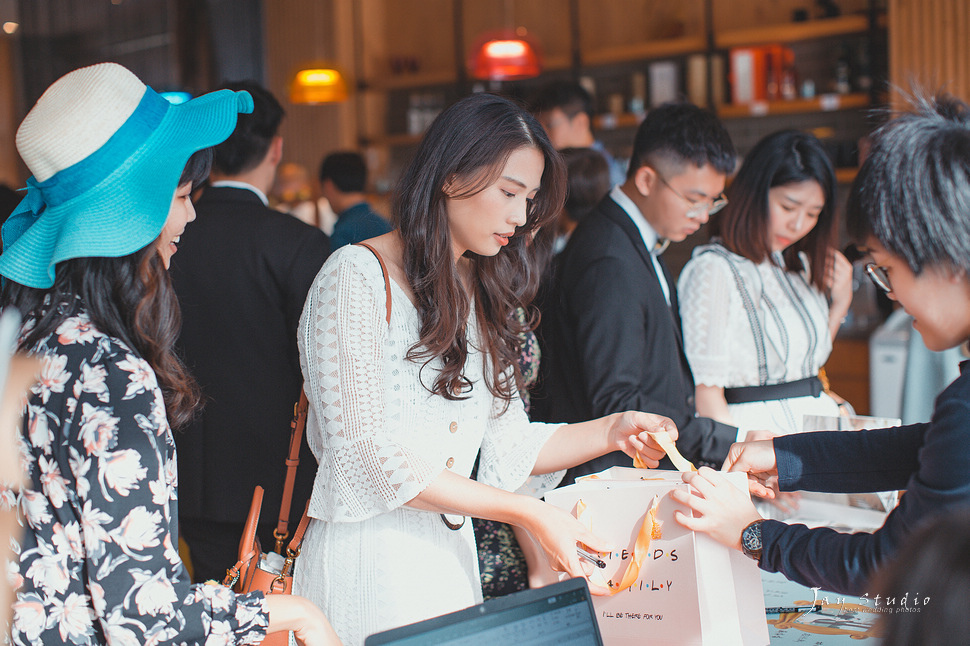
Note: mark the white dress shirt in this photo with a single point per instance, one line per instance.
(230, 183)
(650, 238)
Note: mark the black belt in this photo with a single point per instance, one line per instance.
(810, 387)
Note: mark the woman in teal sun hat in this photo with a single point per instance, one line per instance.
(84, 261)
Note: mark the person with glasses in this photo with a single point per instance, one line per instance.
(610, 331)
(908, 210)
(762, 302)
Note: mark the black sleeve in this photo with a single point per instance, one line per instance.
(931, 461)
(849, 461)
(620, 366)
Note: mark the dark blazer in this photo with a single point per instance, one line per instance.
(930, 461)
(242, 272)
(610, 343)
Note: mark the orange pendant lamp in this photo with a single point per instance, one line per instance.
(505, 56)
(318, 85)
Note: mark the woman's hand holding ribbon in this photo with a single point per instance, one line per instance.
(631, 433)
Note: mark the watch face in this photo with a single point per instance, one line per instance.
(751, 537)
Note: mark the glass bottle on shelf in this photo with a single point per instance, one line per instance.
(638, 93)
(415, 118)
(863, 79)
(842, 85)
(789, 83)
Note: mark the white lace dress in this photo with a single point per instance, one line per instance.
(380, 438)
(748, 324)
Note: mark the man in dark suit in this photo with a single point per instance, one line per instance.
(610, 332)
(241, 274)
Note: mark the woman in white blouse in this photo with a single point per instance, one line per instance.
(761, 304)
(410, 379)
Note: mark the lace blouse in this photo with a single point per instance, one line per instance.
(747, 324)
(380, 438)
(98, 561)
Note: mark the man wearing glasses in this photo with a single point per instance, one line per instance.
(610, 333)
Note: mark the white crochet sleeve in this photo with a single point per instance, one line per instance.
(364, 469)
(510, 449)
(709, 303)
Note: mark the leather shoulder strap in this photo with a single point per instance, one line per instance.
(296, 438)
(297, 426)
(297, 542)
(387, 280)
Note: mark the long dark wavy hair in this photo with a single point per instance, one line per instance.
(129, 298)
(467, 146)
(781, 158)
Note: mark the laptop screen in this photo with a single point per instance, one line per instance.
(557, 615)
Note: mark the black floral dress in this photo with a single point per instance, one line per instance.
(500, 559)
(98, 560)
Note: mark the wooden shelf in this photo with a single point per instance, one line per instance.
(556, 63)
(406, 81)
(821, 103)
(611, 121)
(793, 31)
(646, 50)
(846, 175)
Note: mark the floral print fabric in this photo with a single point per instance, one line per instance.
(98, 560)
(500, 559)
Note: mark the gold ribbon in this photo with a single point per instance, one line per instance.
(661, 437)
(649, 530)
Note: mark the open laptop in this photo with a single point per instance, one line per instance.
(560, 614)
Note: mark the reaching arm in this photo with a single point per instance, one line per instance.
(931, 460)
(574, 444)
(290, 612)
(849, 461)
(838, 282)
(626, 352)
(711, 403)
(555, 531)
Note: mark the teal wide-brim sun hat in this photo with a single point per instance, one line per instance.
(106, 153)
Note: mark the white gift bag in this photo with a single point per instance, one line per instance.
(690, 590)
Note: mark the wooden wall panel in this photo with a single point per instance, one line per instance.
(742, 14)
(419, 31)
(630, 22)
(928, 46)
(297, 33)
(10, 165)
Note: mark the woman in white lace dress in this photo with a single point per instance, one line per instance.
(762, 302)
(401, 406)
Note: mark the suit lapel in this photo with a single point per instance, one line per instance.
(674, 303)
(615, 212)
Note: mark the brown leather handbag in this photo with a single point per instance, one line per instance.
(272, 572)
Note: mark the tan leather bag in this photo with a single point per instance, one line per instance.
(272, 572)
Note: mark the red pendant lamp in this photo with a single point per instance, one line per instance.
(505, 56)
